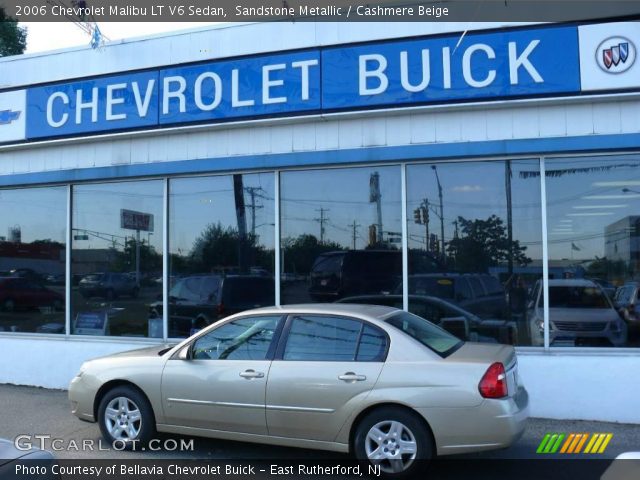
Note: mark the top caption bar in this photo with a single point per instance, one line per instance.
(317, 10)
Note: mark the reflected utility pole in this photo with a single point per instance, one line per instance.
(442, 252)
(376, 196)
(322, 220)
(507, 179)
(354, 226)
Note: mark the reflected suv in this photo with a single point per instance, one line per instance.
(109, 285)
(199, 300)
(580, 314)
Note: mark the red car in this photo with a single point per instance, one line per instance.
(21, 294)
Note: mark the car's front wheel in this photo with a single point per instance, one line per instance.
(394, 440)
(126, 418)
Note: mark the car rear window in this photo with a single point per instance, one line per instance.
(440, 287)
(428, 334)
(328, 264)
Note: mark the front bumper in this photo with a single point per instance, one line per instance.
(494, 424)
(81, 398)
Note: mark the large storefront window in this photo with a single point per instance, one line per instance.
(482, 221)
(341, 235)
(221, 236)
(32, 259)
(116, 258)
(593, 211)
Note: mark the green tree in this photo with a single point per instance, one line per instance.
(302, 251)
(13, 39)
(482, 244)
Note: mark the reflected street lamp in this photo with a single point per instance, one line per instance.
(442, 253)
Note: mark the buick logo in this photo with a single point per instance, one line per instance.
(616, 54)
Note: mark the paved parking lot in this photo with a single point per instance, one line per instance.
(37, 411)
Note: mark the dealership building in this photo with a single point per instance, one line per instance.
(153, 186)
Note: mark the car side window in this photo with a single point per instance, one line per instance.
(463, 289)
(322, 338)
(243, 339)
(373, 345)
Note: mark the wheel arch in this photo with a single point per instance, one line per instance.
(110, 385)
(361, 415)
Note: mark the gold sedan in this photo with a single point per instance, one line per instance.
(383, 384)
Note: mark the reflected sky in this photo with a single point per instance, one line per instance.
(40, 213)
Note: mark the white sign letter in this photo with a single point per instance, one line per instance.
(114, 101)
(304, 65)
(92, 105)
(267, 83)
(64, 117)
(217, 91)
(143, 105)
(235, 94)
(516, 62)
(179, 94)
(466, 65)
(404, 72)
(378, 73)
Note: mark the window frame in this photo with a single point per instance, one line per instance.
(284, 338)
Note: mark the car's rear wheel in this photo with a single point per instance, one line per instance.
(126, 418)
(394, 440)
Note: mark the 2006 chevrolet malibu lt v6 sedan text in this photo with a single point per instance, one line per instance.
(386, 385)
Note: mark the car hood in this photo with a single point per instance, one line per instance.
(140, 352)
(8, 452)
(582, 315)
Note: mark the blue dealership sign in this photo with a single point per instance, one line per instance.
(481, 66)
(473, 67)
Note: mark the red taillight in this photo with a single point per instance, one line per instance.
(221, 308)
(494, 382)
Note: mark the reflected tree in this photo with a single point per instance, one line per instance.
(301, 252)
(482, 244)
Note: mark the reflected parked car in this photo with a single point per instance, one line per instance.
(479, 293)
(18, 293)
(457, 321)
(358, 272)
(13, 456)
(109, 285)
(626, 302)
(385, 385)
(199, 300)
(580, 313)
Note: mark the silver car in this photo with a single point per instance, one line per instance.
(381, 383)
(579, 313)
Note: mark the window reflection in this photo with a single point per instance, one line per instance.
(594, 254)
(32, 259)
(482, 221)
(221, 236)
(116, 258)
(341, 233)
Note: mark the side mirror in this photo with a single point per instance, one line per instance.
(185, 353)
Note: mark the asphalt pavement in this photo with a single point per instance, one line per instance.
(41, 416)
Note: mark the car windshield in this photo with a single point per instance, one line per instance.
(577, 297)
(428, 334)
(441, 287)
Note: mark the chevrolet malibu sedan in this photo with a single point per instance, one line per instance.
(381, 383)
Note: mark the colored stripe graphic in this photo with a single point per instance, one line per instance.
(574, 442)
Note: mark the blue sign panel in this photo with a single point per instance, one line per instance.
(490, 65)
(101, 104)
(526, 62)
(255, 86)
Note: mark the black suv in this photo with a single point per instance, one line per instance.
(479, 293)
(199, 300)
(357, 272)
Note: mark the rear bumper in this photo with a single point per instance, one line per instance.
(494, 424)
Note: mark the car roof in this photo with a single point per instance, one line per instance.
(369, 312)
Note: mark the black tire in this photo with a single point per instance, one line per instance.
(9, 305)
(414, 429)
(145, 428)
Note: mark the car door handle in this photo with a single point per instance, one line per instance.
(352, 377)
(251, 374)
